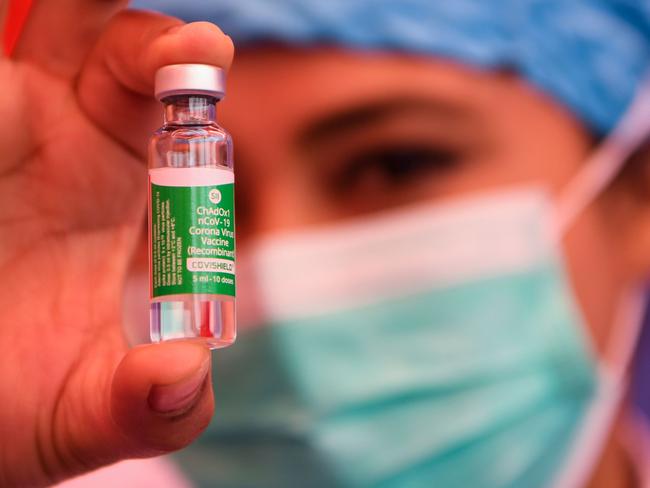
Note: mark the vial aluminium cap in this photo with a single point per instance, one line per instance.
(187, 79)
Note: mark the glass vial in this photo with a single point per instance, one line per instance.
(191, 211)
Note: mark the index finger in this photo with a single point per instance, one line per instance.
(116, 86)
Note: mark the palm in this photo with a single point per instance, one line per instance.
(72, 199)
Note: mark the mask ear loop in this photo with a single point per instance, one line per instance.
(606, 163)
(596, 427)
(599, 171)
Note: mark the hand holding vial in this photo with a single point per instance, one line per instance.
(77, 111)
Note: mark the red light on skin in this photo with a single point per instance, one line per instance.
(16, 15)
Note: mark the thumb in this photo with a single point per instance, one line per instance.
(161, 397)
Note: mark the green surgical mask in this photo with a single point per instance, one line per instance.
(401, 353)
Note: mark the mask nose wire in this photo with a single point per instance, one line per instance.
(605, 163)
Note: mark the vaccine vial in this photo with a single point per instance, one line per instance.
(191, 211)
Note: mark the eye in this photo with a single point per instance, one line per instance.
(393, 165)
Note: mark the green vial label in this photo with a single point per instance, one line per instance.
(192, 240)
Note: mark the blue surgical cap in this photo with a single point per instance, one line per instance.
(589, 55)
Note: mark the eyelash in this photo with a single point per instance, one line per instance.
(396, 164)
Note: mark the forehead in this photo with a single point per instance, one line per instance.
(286, 87)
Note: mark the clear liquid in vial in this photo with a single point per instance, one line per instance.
(208, 317)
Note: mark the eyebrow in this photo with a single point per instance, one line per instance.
(361, 115)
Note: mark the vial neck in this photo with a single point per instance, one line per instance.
(190, 110)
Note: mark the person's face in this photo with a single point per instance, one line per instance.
(324, 135)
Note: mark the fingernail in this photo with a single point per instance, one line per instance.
(178, 396)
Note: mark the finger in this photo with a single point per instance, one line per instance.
(59, 34)
(157, 400)
(116, 86)
(161, 398)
